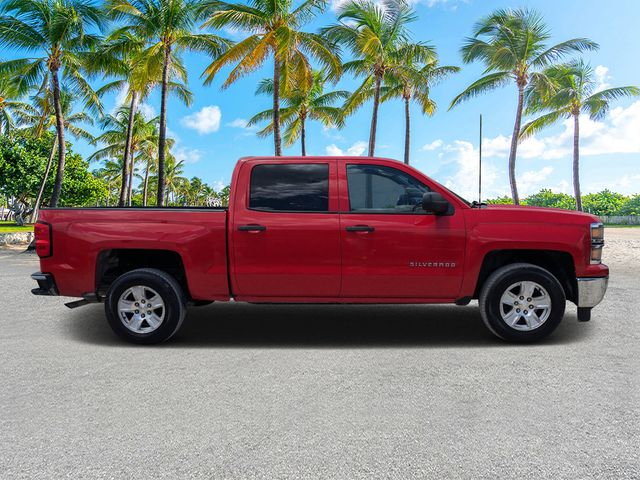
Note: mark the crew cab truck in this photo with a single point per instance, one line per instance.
(325, 230)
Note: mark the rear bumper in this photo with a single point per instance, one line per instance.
(591, 291)
(46, 284)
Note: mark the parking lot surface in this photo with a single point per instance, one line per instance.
(265, 391)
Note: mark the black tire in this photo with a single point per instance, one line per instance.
(169, 290)
(500, 281)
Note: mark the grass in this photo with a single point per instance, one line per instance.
(622, 226)
(11, 227)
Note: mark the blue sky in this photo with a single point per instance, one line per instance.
(443, 146)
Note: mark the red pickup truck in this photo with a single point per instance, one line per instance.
(325, 230)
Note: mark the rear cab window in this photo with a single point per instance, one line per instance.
(294, 187)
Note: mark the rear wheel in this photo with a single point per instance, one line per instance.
(145, 306)
(522, 302)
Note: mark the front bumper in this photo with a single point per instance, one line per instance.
(591, 291)
(46, 284)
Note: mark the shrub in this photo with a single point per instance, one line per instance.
(504, 200)
(631, 206)
(604, 203)
(547, 198)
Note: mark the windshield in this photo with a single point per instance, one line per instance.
(464, 200)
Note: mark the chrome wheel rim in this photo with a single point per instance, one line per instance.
(525, 306)
(141, 309)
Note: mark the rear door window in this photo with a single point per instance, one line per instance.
(301, 187)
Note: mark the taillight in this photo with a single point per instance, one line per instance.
(42, 232)
(597, 242)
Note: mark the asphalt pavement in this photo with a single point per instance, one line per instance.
(348, 392)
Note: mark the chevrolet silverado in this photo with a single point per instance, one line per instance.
(325, 230)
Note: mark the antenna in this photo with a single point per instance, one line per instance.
(480, 164)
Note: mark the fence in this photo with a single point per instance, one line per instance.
(621, 220)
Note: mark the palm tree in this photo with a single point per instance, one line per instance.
(59, 30)
(302, 103)
(149, 155)
(512, 46)
(138, 70)
(569, 89)
(11, 90)
(117, 138)
(175, 180)
(410, 80)
(374, 34)
(167, 26)
(274, 30)
(41, 117)
(111, 174)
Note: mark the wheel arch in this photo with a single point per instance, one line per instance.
(560, 264)
(111, 263)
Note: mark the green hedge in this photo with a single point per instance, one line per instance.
(604, 203)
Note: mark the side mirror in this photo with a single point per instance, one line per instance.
(434, 202)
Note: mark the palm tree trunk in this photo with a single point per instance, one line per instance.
(407, 130)
(277, 140)
(127, 148)
(145, 185)
(163, 126)
(45, 176)
(576, 162)
(130, 181)
(374, 116)
(303, 137)
(57, 186)
(514, 147)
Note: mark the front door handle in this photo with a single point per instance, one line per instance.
(252, 228)
(360, 228)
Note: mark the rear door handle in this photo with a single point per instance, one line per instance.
(360, 228)
(252, 228)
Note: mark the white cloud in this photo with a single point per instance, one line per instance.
(354, 150)
(432, 146)
(187, 155)
(206, 120)
(219, 184)
(626, 184)
(533, 180)
(449, 4)
(121, 97)
(237, 123)
(241, 123)
(331, 132)
(602, 77)
(146, 109)
(464, 180)
(460, 162)
(618, 133)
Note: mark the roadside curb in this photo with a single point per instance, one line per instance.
(16, 238)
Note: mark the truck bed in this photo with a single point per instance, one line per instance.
(82, 236)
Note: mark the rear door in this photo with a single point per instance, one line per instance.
(285, 239)
(392, 249)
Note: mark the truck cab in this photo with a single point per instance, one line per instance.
(326, 230)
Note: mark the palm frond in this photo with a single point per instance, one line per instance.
(597, 105)
(541, 122)
(484, 84)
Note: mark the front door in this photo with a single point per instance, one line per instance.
(285, 241)
(392, 248)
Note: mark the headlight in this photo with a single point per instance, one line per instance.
(597, 242)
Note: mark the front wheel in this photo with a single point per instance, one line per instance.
(522, 302)
(145, 306)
